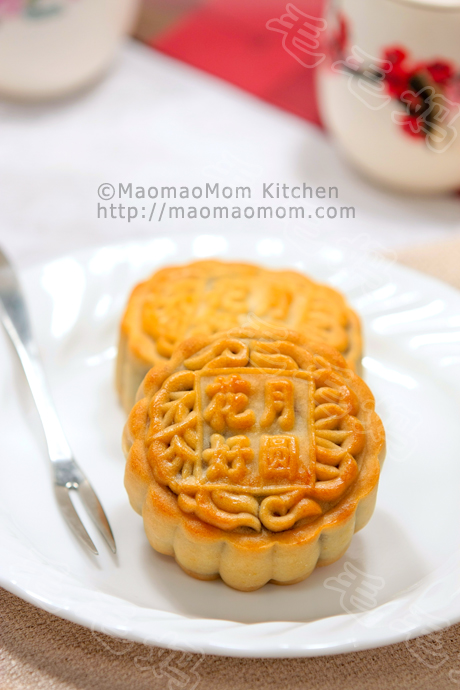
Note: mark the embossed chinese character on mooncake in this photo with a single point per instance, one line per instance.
(259, 441)
(207, 297)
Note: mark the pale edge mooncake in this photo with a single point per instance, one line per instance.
(253, 456)
(206, 297)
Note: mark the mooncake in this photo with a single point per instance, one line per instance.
(207, 297)
(253, 455)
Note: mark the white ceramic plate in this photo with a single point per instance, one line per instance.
(401, 575)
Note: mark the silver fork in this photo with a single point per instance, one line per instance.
(67, 474)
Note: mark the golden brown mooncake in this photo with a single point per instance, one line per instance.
(207, 297)
(254, 456)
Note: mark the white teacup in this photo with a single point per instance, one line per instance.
(49, 48)
(389, 90)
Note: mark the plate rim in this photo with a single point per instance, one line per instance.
(180, 639)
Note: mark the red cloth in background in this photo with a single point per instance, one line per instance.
(229, 38)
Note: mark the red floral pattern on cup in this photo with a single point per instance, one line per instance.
(427, 90)
(417, 86)
(33, 9)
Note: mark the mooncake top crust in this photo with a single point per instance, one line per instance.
(255, 432)
(207, 297)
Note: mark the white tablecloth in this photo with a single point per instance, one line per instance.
(155, 121)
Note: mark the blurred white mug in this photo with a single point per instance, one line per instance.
(49, 48)
(389, 89)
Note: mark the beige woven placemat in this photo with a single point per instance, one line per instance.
(39, 651)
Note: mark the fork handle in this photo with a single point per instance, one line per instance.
(16, 321)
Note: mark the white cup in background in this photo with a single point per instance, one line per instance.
(389, 90)
(49, 48)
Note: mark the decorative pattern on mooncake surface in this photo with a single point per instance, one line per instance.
(254, 435)
(208, 297)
